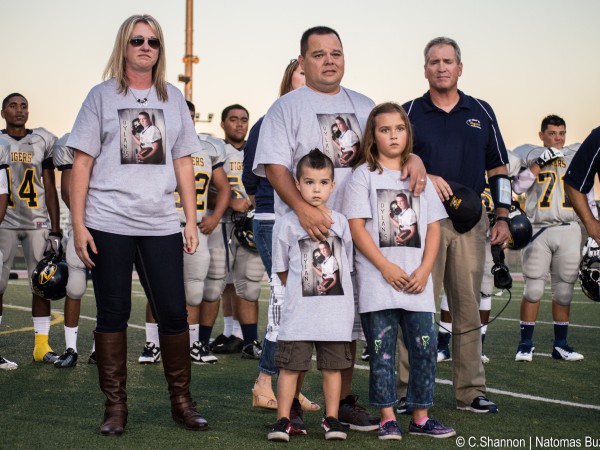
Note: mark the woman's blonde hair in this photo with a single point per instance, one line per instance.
(286, 82)
(368, 151)
(115, 68)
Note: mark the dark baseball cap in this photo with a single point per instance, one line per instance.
(463, 208)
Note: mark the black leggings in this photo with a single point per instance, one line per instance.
(159, 260)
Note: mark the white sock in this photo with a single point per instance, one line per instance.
(0, 320)
(447, 326)
(71, 337)
(41, 325)
(227, 325)
(237, 330)
(194, 333)
(152, 333)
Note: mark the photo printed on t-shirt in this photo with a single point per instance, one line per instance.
(398, 218)
(341, 137)
(321, 267)
(142, 131)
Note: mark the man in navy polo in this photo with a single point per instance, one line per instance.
(457, 137)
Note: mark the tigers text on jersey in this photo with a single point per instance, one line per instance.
(234, 166)
(27, 201)
(205, 161)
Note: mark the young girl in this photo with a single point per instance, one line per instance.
(394, 283)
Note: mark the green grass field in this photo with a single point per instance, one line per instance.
(42, 407)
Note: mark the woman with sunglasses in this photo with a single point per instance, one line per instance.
(123, 213)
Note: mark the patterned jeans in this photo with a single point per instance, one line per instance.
(418, 330)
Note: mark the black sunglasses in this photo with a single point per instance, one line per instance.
(139, 41)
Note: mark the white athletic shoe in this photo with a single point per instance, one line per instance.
(5, 364)
(484, 359)
(566, 353)
(443, 355)
(524, 353)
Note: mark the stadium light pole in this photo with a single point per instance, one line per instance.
(189, 58)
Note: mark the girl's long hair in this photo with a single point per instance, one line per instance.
(368, 152)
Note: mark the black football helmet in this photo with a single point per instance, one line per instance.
(49, 278)
(589, 270)
(519, 229)
(242, 229)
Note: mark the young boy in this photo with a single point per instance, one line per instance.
(319, 303)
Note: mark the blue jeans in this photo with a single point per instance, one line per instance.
(420, 337)
(263, 238)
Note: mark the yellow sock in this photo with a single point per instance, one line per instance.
(41, 347)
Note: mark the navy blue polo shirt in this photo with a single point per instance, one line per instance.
(460, 145)
(585, 164)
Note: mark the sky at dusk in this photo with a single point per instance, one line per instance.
(528, 59)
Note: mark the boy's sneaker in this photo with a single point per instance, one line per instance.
(401, 407)
(252, 351)
(67, 359)
(390, 431)
(524, 353)
(365, 354)
(334, 429)
(432, 428)
(280, 431)
(443, 355)
(355, 416)
(297, 419)
(92, 358)
(200, 354)
(5, 364)
(150, 354)
(566, 353)
(480, 405)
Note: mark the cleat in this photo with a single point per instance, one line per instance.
(5, 364)
(280, 431)
(150, 354)
(443, 355)
(480, 405)
(200, 354)
(67, 359)
(355, 416)
(432, 428)
(92, 358)
(48, 358)
(390, 431)
(220, 339)
(401, 407)
(232, 344)
(252, 351)
(566, 353)
(365, 354)
(524, 353)
(297, 419)
(484, 359)
(334, 430)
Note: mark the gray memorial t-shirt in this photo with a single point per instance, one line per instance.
(383, 199)
(319, 300)
(128, 194)
(304, 120)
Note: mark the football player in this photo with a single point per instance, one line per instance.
(556, 240)
(5, 364)
(242, 290)
(77, 283)
(208, 169)
(33, 215)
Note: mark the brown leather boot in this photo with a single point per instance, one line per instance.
(111, 357)
(178, 372)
